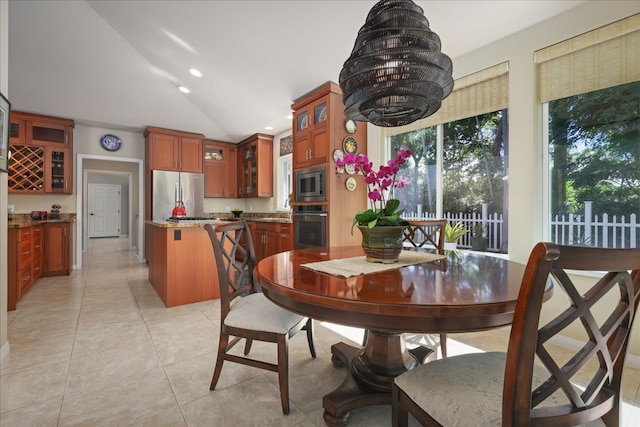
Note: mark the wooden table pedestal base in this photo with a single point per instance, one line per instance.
(370, 374)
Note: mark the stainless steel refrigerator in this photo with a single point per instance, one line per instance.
(171, 186)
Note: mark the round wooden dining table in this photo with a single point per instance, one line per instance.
(464, 292)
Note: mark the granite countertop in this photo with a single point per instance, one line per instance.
(222, 219)
(28, 223)
(18, 220)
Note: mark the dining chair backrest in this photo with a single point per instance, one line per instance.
(425, 233)
(235, 261)
(535, 383)
(603, 304)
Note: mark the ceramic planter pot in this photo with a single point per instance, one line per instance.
(382, 244)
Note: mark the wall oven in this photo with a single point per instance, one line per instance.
(310, 226)
(311, 185)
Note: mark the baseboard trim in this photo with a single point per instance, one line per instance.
(631, 361)
(4, 351)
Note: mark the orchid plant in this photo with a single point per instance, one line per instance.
(383, 209)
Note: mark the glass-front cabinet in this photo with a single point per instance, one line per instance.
(255, 166)
(311, 138)
(41, 148)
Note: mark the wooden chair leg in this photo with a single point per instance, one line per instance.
(309, 328)
(247, 346)
(399, 414)
(283, 372)
(222, 349)
(443, 345)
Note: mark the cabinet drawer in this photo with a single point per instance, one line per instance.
(24, 253)
(25, 234)
(285, 228)
(24, 277)
(36, 231)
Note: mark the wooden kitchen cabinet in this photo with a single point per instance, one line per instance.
(270, 238)
(319, 133)
(57, 245)
(266, 240)
(310, 136)
(220, 169)
(41, 154)
(286, 237)
(255, 166)
(26, 255)
(172, 150)
(182, 266)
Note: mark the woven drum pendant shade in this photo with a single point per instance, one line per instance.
(396, 73)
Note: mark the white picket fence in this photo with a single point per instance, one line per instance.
(571, 229)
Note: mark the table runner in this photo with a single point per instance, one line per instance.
(347, 267)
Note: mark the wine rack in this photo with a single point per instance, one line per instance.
(27, 169)
(41, 148)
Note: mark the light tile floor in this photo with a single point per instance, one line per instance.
(99, 348)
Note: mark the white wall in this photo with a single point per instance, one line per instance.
(4, 80)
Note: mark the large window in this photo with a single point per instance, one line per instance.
(589, 87)
(594, 165)
(459, 165)
(471, 187)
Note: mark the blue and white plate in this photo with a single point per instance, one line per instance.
(110, 142)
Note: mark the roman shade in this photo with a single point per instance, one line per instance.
(478, 93)
(605, 57)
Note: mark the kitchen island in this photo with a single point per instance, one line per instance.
(182, 267)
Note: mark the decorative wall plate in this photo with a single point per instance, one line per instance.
(351, 183)
(337, 154)
(350, 125)
(350, 169)
(350, 145)
(110, 142)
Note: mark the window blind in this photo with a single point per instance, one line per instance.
(607, 56)
(478, 93)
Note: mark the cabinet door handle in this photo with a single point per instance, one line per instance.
(26, 253)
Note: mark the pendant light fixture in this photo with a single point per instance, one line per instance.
(396, 73)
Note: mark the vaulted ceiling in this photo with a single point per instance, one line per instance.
(117, 64)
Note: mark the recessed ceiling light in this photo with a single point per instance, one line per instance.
(195, 72)
(269, 127)
(183, 89)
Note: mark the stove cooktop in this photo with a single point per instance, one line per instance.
(190, 219)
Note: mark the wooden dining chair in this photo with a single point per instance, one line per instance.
(246, 312)
(427, 233)
(531, 384)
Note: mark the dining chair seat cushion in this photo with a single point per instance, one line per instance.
(257, 313)
(466, 390)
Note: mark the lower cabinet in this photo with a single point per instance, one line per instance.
(182, 267)
(57, 256)
(35, 251)
(271, 238)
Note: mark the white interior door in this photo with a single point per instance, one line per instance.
(104, 210)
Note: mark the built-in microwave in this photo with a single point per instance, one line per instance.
(311, 185)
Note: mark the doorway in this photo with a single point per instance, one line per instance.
(136, 196)
(103, 207)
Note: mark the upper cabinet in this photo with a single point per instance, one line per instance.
(319, 127)
(255, 166)
(172, 150)
(220, 169)
(310, 135)
(41, 154)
